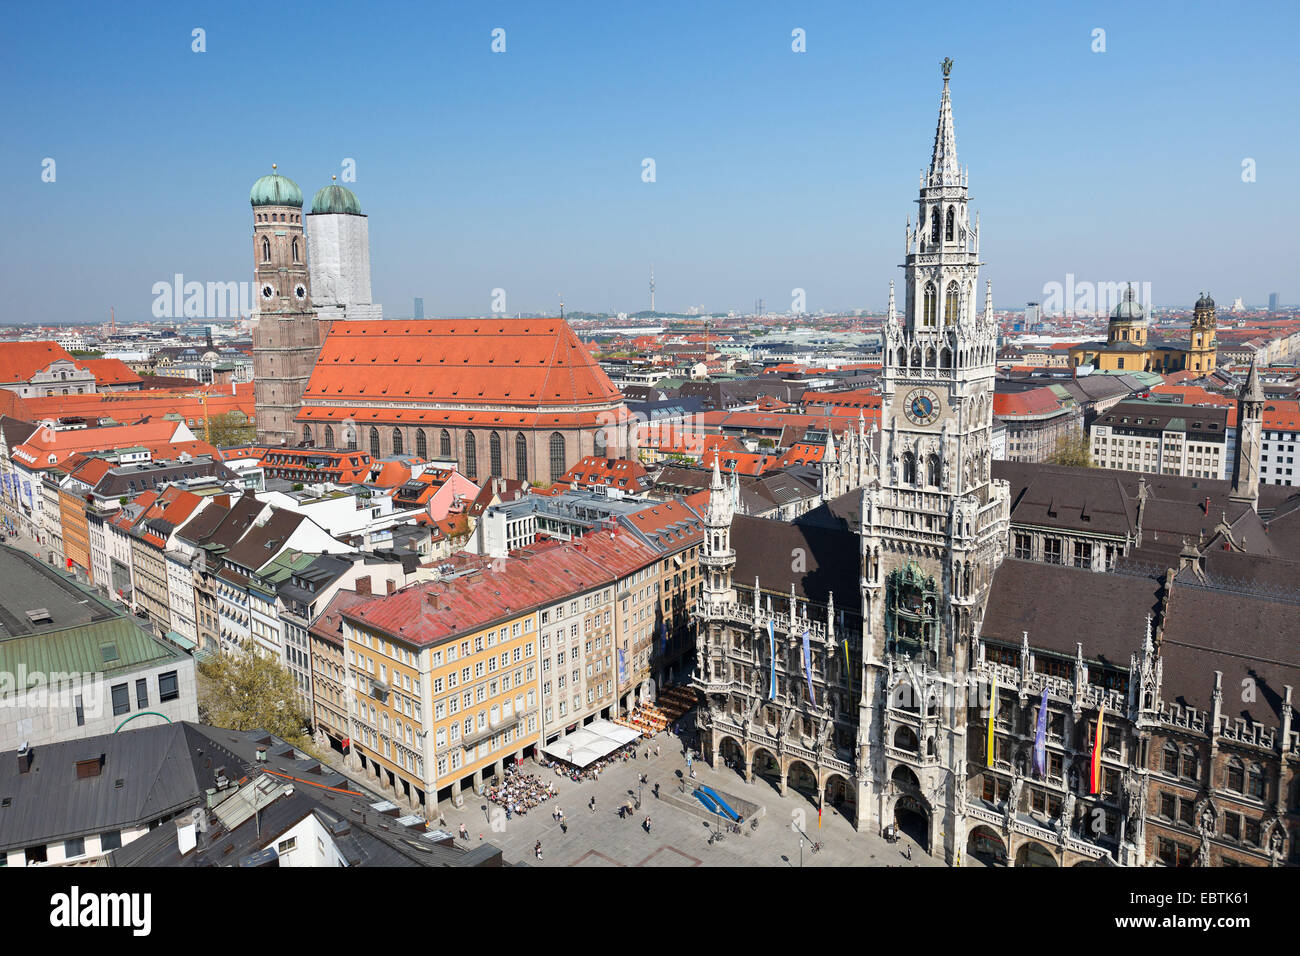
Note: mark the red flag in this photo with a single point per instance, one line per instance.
(1096, 752)
(819, 816)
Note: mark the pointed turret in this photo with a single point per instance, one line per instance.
(944, 170)
(1250, 434)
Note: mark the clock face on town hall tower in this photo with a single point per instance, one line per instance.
(922, 406)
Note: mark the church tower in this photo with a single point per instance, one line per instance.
(934, 522)
(1204, 350)
(287, 335)
(1250, 433)
(338, 246)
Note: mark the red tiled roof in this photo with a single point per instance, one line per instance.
(530, 362)
(1035, 401)
(19, 361)
(1282, 415)
(110, 371)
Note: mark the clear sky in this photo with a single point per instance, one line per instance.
(523, 170)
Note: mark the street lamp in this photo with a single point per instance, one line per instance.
(639, 784)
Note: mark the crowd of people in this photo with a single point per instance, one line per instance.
(520, 792)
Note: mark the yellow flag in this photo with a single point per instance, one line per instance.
(993, 704)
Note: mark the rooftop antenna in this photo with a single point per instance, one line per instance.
(561, 295)
(652, 287)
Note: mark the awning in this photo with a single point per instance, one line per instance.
(600, 738)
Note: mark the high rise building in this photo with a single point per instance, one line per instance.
(1272, 302)
(418, 313)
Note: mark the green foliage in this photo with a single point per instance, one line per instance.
(1072, 448)
(248, 690)
(228, 428)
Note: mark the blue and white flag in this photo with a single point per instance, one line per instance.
(622, 668)
(1040, 740)
(807, 668)
(771, 644)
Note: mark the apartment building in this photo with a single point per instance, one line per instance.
(1280, 438)
(1162, 438)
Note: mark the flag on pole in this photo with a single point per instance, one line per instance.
(819, 814)
(993, 707)
(1096, 752)
(771, 643)
(807, 668)
(848, 668)
(1040, 739)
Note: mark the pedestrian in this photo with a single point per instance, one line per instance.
(656, 791)
(656, 750)
(464, 834)
(634, 754)
(909, 851)
(538, 849)
(564, 827)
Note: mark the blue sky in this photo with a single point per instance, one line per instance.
(522, 170)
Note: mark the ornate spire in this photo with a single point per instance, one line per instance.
(944, 170)
(892, 315)
(988, 301)
(1253, 392)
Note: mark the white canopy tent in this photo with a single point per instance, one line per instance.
(586, 745)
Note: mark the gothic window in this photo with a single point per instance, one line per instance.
(295, 250)
(521, 457)
(909, 468)
(903, 698)
(945, 358)
(374, 442)
(306, 434)
(1191, 770)
(1255, 780)
(929, 358)
(934, 225)
(952, 305)
(350, 438)
(916, 357)
(421, 444)
(905, 739)
(266, 249)
(471, 455)
(557, 456)
(948, 229)
(1236, 776)
(902, 358)
(494, 455)
(598, 441)
(329, 436)
(444, 444)
(397, 441)
(931, 301)
(932, 470)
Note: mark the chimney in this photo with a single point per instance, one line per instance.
(363, 585)
(1207, 505)
(435, 601)
(24, 758)
(187, 836)
(392, 585)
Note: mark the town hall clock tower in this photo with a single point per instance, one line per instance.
(934, 522)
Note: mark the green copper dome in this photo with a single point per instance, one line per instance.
(334, 199)
(275, 190)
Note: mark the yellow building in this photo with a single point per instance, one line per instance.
(1130, 347)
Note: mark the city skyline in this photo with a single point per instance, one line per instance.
(769, 171)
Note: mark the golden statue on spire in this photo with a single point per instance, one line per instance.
(947, 66)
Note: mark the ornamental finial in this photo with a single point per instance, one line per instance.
(947, 67)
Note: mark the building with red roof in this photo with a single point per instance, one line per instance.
(501, 397)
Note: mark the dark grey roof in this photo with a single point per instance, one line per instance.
(29, 585)
(163, 769)
(816, 560)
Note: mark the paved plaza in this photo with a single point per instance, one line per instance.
(678, 837)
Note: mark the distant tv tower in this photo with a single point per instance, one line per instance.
(652, 287)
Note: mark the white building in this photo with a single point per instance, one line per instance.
(1162, 438)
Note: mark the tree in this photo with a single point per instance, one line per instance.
(229, 428)
(249, 690)
(1072, 448)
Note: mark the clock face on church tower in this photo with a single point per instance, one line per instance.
(268, 291)
(922, 406)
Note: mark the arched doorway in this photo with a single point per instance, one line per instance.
(732, 755)
(801, 778)
(984, 847)
(1034, 854)
(841, 795)
(912, 817)
(766, 766)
